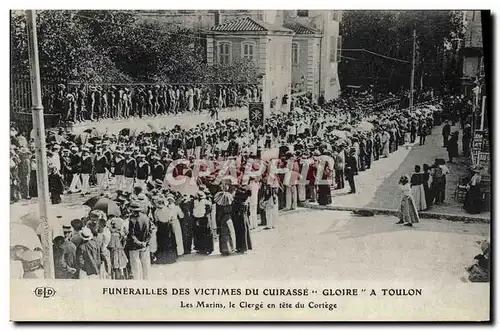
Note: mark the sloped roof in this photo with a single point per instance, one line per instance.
(248, 24)
(300, 28)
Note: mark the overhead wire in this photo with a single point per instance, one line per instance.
(218, 33)
(377, 54)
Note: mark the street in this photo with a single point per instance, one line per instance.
(312, 245)
(378, 186)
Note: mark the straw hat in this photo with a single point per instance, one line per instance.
(86, 234)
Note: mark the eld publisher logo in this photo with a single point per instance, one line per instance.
(45, 292)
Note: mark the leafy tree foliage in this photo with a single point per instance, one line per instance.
(239, 71)
(65, 50)
(114, 46)
(391, 33)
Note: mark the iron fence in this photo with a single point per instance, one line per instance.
(20, 93)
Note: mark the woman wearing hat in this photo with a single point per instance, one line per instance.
(223, 206)
(385, 140)
(88, 256)
(473, 203)
(452, 146)
(116, 246)
(240, 215)
(169, 233)
(408, 213)
(203, 239)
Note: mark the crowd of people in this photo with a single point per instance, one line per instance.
(95, 102)
(479, 271)
(157, 222)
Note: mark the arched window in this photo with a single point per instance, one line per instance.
(248, 51)
(224, 52)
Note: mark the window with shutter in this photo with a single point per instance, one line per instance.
(339, 48)
(295, 53)
(333, 49)
(224, 52)
(248, 51)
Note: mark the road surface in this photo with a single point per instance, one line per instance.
(314, 245)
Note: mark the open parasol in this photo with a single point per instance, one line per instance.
(125, 132)
(183, 184)
(270, 154)
(92, 201)
(106, 205)
(365, 126)
(339, 133)
(23, 235)
(223, 198)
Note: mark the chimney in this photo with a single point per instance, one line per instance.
(217, 17)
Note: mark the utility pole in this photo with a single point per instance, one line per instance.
(40, 148)
(412, 82)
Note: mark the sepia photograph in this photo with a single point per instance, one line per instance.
(250, 165)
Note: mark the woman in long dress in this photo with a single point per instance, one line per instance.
(426, 176)
(203, 239)
(254, 201)
(270, 205)
(324, 190)
(169, 236)
(239, 216)
(408, 214)
(223, 206)
(473, 198)
(190, 93)
(385, 143)
(116, 248)
(417, 189)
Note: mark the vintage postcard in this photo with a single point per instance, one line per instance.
(250, 165)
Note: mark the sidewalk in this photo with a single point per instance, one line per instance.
(185, 120)
(377, 188)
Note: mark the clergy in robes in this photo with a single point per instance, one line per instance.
(324, 190)
(223, 208)
(239, 215)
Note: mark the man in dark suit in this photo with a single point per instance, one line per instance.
(369, 151)
(232, 147)
(350, 170)
(64, 258)
(100, 164)
(446, 133)
(87, 166)
(139, 236)
(282, 150)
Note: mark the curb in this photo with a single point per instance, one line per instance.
(394, 212)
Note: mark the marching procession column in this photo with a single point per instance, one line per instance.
(40, 148)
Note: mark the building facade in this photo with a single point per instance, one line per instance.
(323, 66)
(472, 50)
(268, 45)
(298, 50)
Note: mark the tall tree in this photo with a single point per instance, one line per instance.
(65, 48)
(390, 33)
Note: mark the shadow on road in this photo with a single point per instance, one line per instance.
(356, 227)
